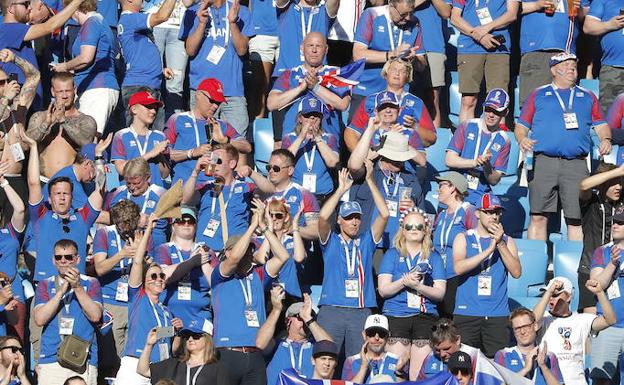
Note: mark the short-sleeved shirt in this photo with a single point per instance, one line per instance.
(373, 32)
(238, 302)
(142, 57)
(143, 315)
(396, 265)
(431, 23)
(48, 228)
(10, 241)
(601, 258)
(236, 199)
(348, 280)
(101, 73)
(229, 68)
(469, 12)
(473, 139)
(482, 292)
(433, 365)
(291, 78)
(615, 117)
(80, 190)
(294, 24)
(188, 298)
(309, 161)
(543, 114)
(513, 359)
(184, 133)
(70, 309)
(612, 42)
(447, 226)
(386, 365)
(264, 17)
(295, 196)
(289, 274)
(12, 37)
(128, 145)
(290, 354)
(541, 32)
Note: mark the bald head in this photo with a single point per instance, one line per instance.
(314, 49)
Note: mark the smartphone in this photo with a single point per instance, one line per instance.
(621, 11)
(165, 332)
(405, 111)
(12, 77)
(500, 39)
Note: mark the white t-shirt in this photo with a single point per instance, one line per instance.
(348, 15)
(566, 338)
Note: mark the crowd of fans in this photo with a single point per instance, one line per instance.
(95, 286)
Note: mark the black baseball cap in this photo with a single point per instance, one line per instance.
(460, 360)
(325, 348)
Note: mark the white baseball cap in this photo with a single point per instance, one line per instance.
(567, 284)
(376, 321)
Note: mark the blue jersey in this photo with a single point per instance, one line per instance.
(289, 274)
(309, 162)
(376, 31)
(70, 309)
(294, 24)
(264, 17)
(109, 9)
(238, 304)
(12, 37)
(612, 42)
(228, 67)
(431, 23)
(80, 191)
(601, 258)
(473, 139)
(101, 72)
(482, 292)
(348, 280)
(386, 365)
(406, 302)
(290, 354)
(469, 11)
(295, 196)
(128, 145)
(543, 113)
(513, 359)
(142, 57)
(445, 229)
(10, 240)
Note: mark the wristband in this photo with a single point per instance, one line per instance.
(99, 157)
(189, 154)
(387, 55)
(310, 322)
(4, 183)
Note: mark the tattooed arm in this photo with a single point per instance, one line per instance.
(79, 130)
(29, 89)
(39, 126)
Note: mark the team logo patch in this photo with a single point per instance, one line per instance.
(496, 147)
(471, 136)
(381, 29)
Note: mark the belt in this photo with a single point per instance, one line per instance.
(242, 349)
(562, 157)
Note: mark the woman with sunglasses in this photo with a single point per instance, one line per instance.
(277, 217)
(412, 280)
(196, 363)
(12, 362)
(316, 151)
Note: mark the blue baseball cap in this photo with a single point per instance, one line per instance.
(88, 151)
(312, 105)
(497, 99)
(490, 202)
(348, 208)
(386, 98)
(325, 348)
(198, 326)
(561, 57)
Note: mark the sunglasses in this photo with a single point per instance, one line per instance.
(190, 335)
(4, 81)
(67, 257)
(493, 111)
(217, 161)
(65, 223)
(275, 168)
(185, 221)
(464, 372)
(277, 215)
(411, 226)
(497, 213)
(373, 332)
(155, 276)
(619, 223)
(14, 349)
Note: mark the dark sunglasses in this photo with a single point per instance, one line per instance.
(493, 212)
(185, 221)
(409, 226)
(4, 81)
(275, 168)
(190, 335)
(68, 257)
(155, 276)
(619, 223)
(493, 111)
(65, 222)
(277, 215)
(464, 372)
(14, 349)
(373, 332)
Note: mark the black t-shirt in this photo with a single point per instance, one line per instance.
(175, 370)
(596, 219)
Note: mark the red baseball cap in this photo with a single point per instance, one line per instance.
(144, 98)
(214, 88)
(490, 202)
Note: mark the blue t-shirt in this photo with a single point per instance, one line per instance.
(10, 240)
(142, 57)
(289, 274)
(601, 258)
(101, 73)
(446, 228)
(396, 265)
(612, 42)
(431, 23)
(348, 280)
(295, 196)
(496, 8)
(290, 354)
(108, 241)
(387, 365)
(294, 24)
(128, 145)
(482, 292)
(513, 359)
(238, 305)
(543, 114)
(69, 309)
(309, 161)
(264, 17)
(372, 32)
(109, 9)
(12, 37)
(80, 191)
(229, 68)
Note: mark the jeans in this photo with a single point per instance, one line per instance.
(175, 58)
(233, 112)
(344, 325)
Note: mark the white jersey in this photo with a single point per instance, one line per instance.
(348, 15)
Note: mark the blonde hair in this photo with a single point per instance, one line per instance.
(400, 243)
(210, 355)
(408, 67)
(279, 204)
(136, 167)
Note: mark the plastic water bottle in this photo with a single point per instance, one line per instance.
(528, 157)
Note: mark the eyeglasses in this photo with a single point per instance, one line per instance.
(277, 215)
(155, 276)
(403, 15)
(522, 327)
(414, 226)
(370, 333)
(190, 335)
(185, 221)
(65, 222)
(275, 168)
(67, 257)
(14, 349)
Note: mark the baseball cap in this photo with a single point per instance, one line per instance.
(348, 208)
(324, 348)
(460, 360)
(497, 99)
(198, 326)
(213, 88)
(144, 98)
(618, 214)
(312, 105)
(490, 202)
(188, 211)
(456, 179)
(295, 308)
(567, 285)
(386, 97)
(377, 321)
(561, 57)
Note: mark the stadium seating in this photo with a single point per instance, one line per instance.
(263, 143)
(534, 260)
(566, 257)
(454, 99)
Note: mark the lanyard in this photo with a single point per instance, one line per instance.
(119, 247)
(160, 324)
(292, 356)
(352, 257)
(487, 263)
(247, 293)
(225, 203)
(477, 151)
(145, 198)
(396, 185)
(309, 160)
(188, 375)
(143, 149)
(306, 28)
(570, 99)
(446, 229)
(380, 367)
(213, 29)
(197, 143)
(391, 32)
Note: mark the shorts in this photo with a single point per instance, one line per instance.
(489, 334)
(55, 374)
(99, 104)
(606, 348)
(127, 373)
(416, 327)
(437, 69)
(473, 67)
(611, 85)
(586, 297)
(534, 72)
(264, 48)
(556, 178)
(447, 306)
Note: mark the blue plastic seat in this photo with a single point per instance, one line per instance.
(516, 217)
(263, 143)
(566, 258)
(514, 156)
(517, 99)
(454, 98)
(591, 84)
(112, 177)
(437, 152)
(533, 256)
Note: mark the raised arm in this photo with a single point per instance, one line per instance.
(264, 185)
(605, 275)
(143, 367)
(34, 184)
(299, 254)
(44, 312)
(308, 318)
(380, 222)
(32, 77)
(280, 255)
(136, 270)
(190, 196)
(597, 27)
(19, 210)
(332, 9)
(540, 308)
(264, 338)
(608, 316)
(239, 41)
(324, 224)
(462, 264)
(278, 99)
(229, 265)
(359, 154)
(194, 40)
(162, 14)
(91, 308)
(55, 22)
